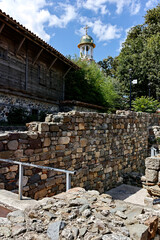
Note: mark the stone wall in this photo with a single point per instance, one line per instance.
(101, 148)
(8, 101)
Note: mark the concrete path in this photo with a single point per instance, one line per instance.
(130, 194)
(11, 199)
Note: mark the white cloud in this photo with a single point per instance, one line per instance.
(151, 3)
(135, 8)
(64, 19)
(103, 32)
(35, 15)
(101, 5)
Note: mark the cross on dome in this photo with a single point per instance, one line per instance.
(86, 28)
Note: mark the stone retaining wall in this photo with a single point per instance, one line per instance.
(101, 148)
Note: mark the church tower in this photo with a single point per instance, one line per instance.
(86, 46)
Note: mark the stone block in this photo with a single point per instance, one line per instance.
(83, 142)
(43, 176)
(4, 170)
(29, 152)
(18, 153)
(4, 136)
(60, 147)
(47, 142)
(152, 163)
(6, 154)
(63, 140)
(13, 168)
(2, 186)
(138, 231)
(12, 145)
(28, 172)
(43, 127)
(151, 175)
(35, 143)
(40, 194)
(81, 126)
(10, 175)
(13, 136)
(53, 128)
(152, 222)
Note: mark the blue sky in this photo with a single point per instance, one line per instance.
(61, 23)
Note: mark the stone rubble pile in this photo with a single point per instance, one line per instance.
(80, 214)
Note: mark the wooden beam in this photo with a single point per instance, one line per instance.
(37, 56)
(53, 62)
(20, 45)
(1, 28)
(67, 72)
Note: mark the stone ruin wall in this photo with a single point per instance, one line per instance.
(101, 148)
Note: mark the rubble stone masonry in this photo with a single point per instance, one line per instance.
(100, 147)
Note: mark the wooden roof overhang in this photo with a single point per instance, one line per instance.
(43, 46)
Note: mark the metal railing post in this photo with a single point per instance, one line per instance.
(20, 181)
(68, 181)
(153, 151)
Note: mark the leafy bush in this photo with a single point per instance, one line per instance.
(89, 84)
(145, 104)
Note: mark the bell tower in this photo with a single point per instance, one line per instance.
(86, 46)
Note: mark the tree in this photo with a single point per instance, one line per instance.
(141, 53)
(90, 85)
(109, 66)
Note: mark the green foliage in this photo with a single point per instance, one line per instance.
(141, 53)
(90, 85)
(158, 140)
(109, 66)
(145, 104)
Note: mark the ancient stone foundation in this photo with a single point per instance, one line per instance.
(101, 148)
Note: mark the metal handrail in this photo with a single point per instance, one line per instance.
(21, 164)
(153, 151)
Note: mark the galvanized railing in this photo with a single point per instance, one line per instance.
(23, 164)
(153, 151)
